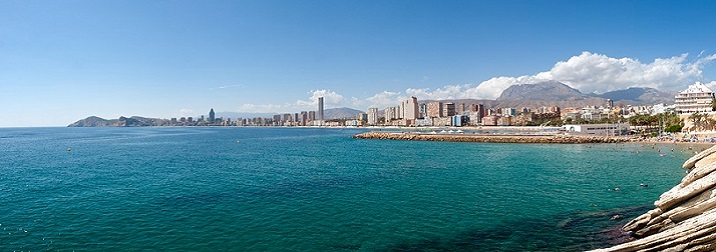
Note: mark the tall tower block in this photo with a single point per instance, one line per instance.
(320, 109)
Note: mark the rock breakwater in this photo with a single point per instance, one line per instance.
(685, 216)
(560, 139)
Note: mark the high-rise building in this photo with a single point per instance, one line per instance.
(276, 120)
(410, 109)
(320, 109)
(434, 109)
(372, 116)
(480, 110)
(448, 109)
(696, 98)
(362, 117)
(304, 118)
(390, 114)
(311, 116)
(212, 116)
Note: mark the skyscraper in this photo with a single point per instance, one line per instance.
(448, 109)
(410, 109)
(212, 116)
(320, 109)
(434, 109)
(372, 116)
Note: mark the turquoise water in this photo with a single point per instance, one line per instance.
(278, 189)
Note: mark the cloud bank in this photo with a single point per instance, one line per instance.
(588, 72)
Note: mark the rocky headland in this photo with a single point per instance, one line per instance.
(559, 139)
(684, 218)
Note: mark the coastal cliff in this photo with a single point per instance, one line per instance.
(685, 216)
(562, 139)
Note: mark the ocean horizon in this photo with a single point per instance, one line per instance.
(316, 189)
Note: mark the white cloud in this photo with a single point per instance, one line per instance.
(591, 72)
(446, 92)
(330, 98)
(711, 85)
(227, 87)
(231, 86)
(588, 72)
(186, 112)
(383, 99)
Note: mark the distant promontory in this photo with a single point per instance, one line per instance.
(134, 121)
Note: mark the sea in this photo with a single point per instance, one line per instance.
(316, 189)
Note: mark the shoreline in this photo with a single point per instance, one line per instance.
(557, 139)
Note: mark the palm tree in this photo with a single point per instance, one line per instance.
(709, 123)
(697, 120)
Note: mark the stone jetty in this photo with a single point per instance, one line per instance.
(560, 139)
(685, 216)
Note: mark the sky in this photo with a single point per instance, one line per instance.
(61, 61)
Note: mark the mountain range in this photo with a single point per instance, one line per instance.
(557, 91)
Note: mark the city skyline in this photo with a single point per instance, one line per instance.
(62, 61)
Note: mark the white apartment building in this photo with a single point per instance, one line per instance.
(696, 98)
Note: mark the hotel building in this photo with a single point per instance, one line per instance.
(696, 98)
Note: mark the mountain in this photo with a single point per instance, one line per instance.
(543, 91)
(93, 121)
(640, 96)
(134, 121)
(340, 113)
(554, 93)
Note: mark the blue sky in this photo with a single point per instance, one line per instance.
(61, 61)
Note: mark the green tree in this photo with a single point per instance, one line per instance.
(697, 120)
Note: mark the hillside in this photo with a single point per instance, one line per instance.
(340, 113)
(134, 121)
(554, 93)
(640, 96)
(543, 91)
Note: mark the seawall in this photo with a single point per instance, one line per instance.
(558, 139)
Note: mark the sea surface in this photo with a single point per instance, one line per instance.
(309, 189)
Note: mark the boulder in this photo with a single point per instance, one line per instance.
(685, 216)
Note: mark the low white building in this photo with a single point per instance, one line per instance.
(597, 129)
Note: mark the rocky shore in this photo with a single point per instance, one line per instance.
(560, 139)
(685, 216)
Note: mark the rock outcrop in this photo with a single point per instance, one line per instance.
(685, 216)
(560, 139)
